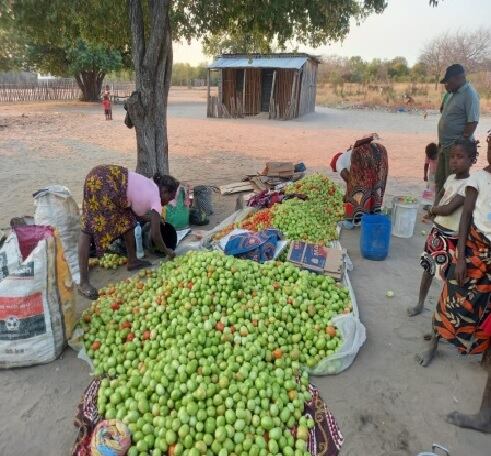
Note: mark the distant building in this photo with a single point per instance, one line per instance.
(281, 85)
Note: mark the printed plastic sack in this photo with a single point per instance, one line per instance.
(257, 246)
(10, 257)
(56, 207)
(37, 312)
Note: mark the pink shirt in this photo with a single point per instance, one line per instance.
(143, 194)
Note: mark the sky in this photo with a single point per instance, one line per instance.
(401, 30)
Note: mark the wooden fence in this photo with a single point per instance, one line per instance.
(56, 89)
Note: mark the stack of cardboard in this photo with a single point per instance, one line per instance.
(317, 258)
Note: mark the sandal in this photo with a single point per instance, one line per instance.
(90, 294)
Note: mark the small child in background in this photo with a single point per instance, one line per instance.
(106, 103)
(431, 155)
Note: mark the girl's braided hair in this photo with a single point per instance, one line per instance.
(470, 146)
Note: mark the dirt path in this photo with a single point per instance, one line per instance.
(385, 403)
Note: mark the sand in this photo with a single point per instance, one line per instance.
(385, 403)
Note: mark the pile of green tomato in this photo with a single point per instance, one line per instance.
(314, 219)
(205, 355)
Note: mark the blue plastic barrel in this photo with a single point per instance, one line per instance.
(375, 237)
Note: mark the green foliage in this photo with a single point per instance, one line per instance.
(54, 24)
(184, 73)
(337, 70)
(83, 57)
(236, 43)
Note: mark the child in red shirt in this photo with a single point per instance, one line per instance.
(106, 103)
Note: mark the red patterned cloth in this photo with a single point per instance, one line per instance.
(366, 180)
(325, 439)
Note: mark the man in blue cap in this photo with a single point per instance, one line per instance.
(459, 119)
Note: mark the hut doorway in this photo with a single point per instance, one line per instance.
(266, 86)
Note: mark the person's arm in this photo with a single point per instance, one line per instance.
(156, 234)
(464, 226)
(450, 208)
(439, 197)
(472, 113)
(469, 129)
(427, 166)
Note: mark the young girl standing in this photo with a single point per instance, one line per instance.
(464, 303)
(473, 272)
(441, 242)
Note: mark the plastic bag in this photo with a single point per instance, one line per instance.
(207, 241)
(56, 207)
(37, 312)
(353, 336)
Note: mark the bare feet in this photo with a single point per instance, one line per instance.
(413, 311)
(138, 264)
(426, 357)
(87, 291)
(480, 422)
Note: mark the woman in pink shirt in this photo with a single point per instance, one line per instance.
(114, 199)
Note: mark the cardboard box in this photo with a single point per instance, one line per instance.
(279, 169)
(317, 258)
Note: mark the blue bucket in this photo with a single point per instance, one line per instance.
(375, 237)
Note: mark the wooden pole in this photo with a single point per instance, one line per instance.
(244, 92)
(208, 94)
(271, 95)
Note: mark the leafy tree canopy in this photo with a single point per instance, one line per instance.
(56, 23)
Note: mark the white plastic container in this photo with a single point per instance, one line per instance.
(139, 242)
(404, 216)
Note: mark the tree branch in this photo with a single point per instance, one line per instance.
(159, 15)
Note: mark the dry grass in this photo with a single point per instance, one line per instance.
(391, 96)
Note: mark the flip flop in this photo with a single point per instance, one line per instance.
(92, 295)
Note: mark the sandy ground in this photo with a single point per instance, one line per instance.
(385, 403)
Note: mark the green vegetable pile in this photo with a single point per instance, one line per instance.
(201, 355)
(315, 219)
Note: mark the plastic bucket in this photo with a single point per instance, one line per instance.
(375, 237)
(404, 216)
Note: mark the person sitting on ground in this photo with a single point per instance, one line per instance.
(364, 167)
(114, 198)
(442, 240)
(464, 302)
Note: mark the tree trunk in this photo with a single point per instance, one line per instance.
(147, 106)
(90, 83)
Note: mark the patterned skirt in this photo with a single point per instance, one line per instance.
(324, 439)
(106, 214)
(461, 310)
(439, 250)
(366, 180)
